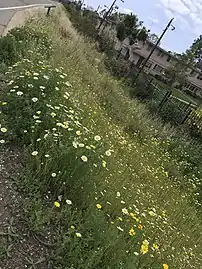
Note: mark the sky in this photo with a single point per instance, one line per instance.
(157, 13)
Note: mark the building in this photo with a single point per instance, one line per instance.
(159, 62)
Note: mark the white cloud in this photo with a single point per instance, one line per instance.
(175, 6)
(153, 20)
(126, 10)
(188, 13)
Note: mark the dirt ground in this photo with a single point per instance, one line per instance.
(18, 247)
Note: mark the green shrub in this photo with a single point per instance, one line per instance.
(13, 46)
(10, 50)
(170, 112)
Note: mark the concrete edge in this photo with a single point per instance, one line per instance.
(22, 16)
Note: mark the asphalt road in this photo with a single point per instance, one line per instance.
(6, 15)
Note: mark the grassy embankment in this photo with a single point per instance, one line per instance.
(110, 199)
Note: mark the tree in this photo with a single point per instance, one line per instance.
(176, 73)
(130, 27)
(153, 38)
(195, 52)
(140, 34)
(128, 23)
(131, 22)
(120, 31)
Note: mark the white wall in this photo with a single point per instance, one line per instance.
(140, 49)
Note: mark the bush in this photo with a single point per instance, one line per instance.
(10, 50)
(85, 23)
(171, 113)
(143, 89)
(13, 46)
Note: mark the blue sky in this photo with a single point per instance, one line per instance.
(157, 13)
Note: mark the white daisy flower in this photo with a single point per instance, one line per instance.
(34, 99)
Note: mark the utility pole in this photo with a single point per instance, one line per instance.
(152, 51)
(106, 15)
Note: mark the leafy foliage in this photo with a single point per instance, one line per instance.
(176, 73)
(153, 38)
(195, 51)
(121, 31)
(14, 45)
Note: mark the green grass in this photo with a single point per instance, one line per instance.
(181, 95)
(133, 204)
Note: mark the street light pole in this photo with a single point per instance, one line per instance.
(106, 14)
(152, 51)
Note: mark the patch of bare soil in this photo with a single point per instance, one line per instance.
(18, 248)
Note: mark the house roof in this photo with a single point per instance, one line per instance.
(174, 57)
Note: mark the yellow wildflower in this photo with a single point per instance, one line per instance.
(140, 226)
(144, 247)
(132, 215)
(137, 219)
(98, 206)
(165, 266)
(132, 232)
(56, 204)
(151, 213)
(155, 246)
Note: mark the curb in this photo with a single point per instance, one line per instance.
(22, 16)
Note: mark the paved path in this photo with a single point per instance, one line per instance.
(6, 15)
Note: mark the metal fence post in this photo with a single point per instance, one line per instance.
(164, 100)
(48, 11)
(186, 117)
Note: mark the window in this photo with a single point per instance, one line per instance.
(149, 47)
(192, 72)
(148, 64)
(199, 77)
(192, 88)
(160, 53)
(187, 85)
(158, 68)
(169, 58)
